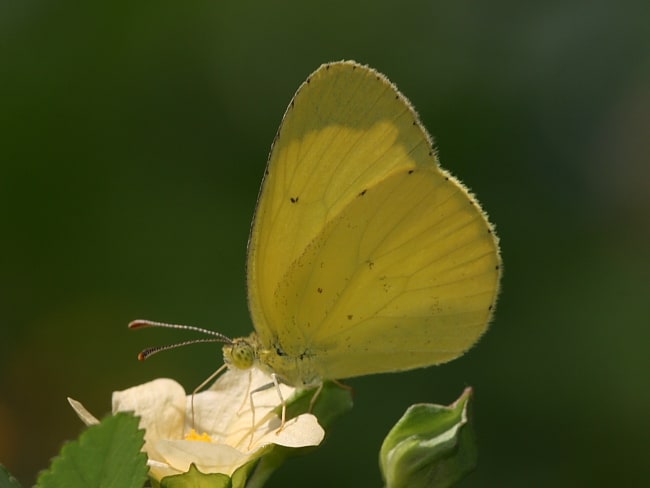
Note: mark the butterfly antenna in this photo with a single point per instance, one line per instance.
(150, 351)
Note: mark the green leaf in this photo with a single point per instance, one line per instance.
(105, 455)
(431, 445)
(6, 479)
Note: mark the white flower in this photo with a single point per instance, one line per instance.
(219, 440)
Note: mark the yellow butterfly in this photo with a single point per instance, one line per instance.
(364, 255)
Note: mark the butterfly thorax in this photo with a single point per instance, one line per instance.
(296, 370)
(247, 352)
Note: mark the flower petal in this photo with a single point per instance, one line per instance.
(225, 412)
(85, 416)
(158, 469)
(230, 432)
(160, 404)
(300, 431)
(208, 457)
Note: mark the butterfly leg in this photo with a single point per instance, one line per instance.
(315, 396)
(319, 389)
(202, 385)
(343, 385)
(284, 404)
(250, 383)
(276, 384)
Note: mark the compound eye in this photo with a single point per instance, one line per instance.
(241, 355)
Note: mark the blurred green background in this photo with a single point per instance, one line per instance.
(133, 138)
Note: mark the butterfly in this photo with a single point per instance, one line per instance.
(365, 256)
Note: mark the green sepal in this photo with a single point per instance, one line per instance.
(431, 445)
(197, 479)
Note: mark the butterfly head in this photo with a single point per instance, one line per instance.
(241, 353)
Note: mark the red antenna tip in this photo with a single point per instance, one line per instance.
(135, 324)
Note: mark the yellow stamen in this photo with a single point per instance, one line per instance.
(193, 435)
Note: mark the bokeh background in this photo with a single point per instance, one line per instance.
(133, 138)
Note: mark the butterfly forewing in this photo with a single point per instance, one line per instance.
(364, 255)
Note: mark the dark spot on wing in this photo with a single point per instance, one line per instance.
(363, 192)
(294, 199)
(319, 290)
